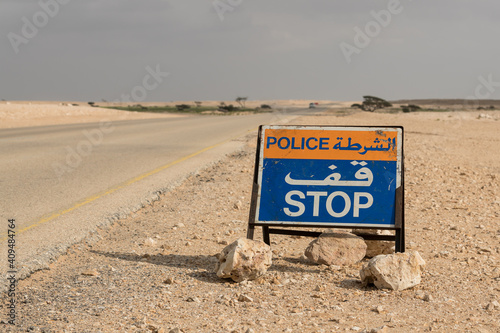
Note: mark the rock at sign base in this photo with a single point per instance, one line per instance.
(396, 271)
(336, 248)
(244, 259)
(376, 247)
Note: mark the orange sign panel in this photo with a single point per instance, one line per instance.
(318, 144)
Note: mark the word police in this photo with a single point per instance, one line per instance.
(311, 143)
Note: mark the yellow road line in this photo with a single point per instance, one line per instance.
(114, 189)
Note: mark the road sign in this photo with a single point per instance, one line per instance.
(318, 176)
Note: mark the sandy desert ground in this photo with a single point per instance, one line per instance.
(25, 114)
(154, 271)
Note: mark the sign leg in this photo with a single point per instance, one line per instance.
(250, 231)
(265, 231)
(400, 240)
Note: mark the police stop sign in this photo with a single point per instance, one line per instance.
(328, 176)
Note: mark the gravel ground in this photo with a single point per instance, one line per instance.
(154, 271)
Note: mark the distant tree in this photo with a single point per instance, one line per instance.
(92, 104)
(198, 103)
(265, 106)
(372, 103)
(241, 101)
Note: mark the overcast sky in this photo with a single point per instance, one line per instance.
(217, 50)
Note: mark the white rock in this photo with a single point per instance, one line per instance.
(244, 259)
(150, 242)
(494, 305)
(376, 247)
(336, 248)
(221, 241)
(244, 298)
(238, 205)
(334, 268)
(396, 271)
(193, 299)
(169, 280)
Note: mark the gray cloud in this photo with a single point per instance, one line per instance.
(279, 49)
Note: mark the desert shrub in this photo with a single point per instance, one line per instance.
(139, 106)
(265, 106)
(182, 107)
(410, 108)
(229, 107)
(372, 103)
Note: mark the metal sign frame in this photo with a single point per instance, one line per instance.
(270, 227)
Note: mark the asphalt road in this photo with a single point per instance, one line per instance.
(60, 182)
